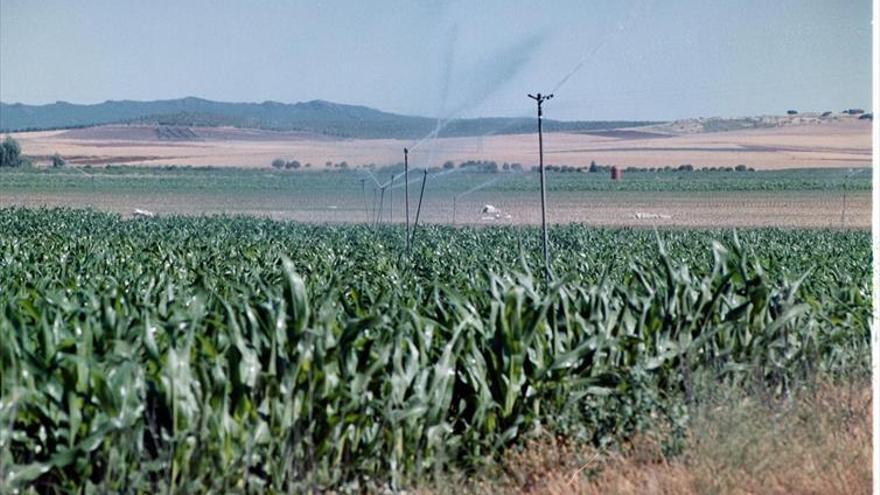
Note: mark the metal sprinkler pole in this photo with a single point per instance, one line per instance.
(419, 208)
(406, 195)
(373, 203)
(540, 99)
(364, 194)
(454, 198)
(391, 201)
(381, 207)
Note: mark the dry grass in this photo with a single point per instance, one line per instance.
(817, 443)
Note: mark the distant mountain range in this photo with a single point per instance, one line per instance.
(317, 116)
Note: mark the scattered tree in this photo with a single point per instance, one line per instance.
(278, 163)
(10, 153)
(57, 161)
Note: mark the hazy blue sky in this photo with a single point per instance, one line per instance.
(642, 59)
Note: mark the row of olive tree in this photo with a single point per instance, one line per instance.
(279, 164)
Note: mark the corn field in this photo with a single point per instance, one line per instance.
(238, 355)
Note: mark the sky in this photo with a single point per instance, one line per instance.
(602, 59)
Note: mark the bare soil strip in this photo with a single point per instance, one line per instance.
(811, 209)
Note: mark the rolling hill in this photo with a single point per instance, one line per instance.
(317, 116)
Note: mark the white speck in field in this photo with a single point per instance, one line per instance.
(649, 216)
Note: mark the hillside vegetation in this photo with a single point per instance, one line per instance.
(320, 117)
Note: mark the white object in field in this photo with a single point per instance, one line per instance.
(492, 213)
(648, 216)
(138, 213)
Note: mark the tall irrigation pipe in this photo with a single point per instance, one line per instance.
(406, 195)
(381, 207)
(391, 200)
(419, 208)
(454, 199)
(374, 203)
(364, 194)
(540, 99)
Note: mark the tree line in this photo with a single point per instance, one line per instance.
(490, 166)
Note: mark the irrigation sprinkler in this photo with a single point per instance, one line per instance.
(373, 203)
(364, 194)
(391, 200)
(406, 195)
(454, 198)
(381, 206)
(540, 99)
(419, 208)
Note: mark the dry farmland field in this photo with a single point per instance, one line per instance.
(808, 172)
(819, 144)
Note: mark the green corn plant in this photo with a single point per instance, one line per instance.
(242, 355)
